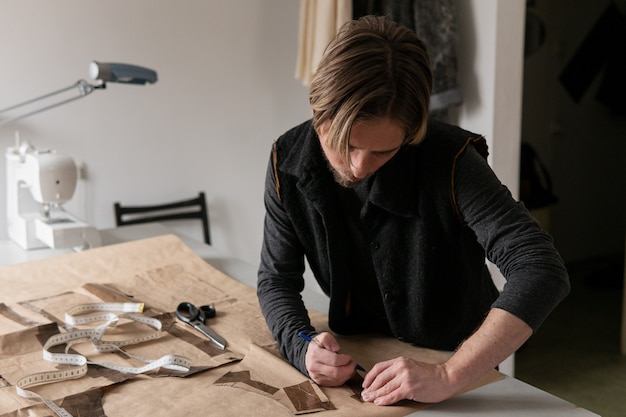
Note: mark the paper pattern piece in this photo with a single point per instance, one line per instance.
(249, 378)
(264, 373)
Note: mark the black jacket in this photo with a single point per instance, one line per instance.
(434, 212)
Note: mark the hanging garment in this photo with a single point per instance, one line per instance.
(434, 21)
(602, 49)
(319, 22)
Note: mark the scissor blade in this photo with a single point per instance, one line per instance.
(214, 337)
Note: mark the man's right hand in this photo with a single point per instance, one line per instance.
(326, 366)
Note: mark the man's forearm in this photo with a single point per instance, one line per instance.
(499, 336)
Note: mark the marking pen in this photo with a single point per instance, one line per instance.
(310, 339)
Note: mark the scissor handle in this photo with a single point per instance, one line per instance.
(195, 317)
(188, 312)
(208, 311)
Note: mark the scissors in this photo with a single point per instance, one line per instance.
(195, 317)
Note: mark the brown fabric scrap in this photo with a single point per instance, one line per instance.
(9, 313)
(305, 399)
(28, 305)
(243, 377)
(356, 386)
(85, 404)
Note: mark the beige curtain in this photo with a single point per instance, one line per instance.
(319, 21)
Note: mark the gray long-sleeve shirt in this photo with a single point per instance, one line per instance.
(434, 212)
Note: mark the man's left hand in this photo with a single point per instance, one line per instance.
(404, 378)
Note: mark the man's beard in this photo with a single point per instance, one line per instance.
(345, 179)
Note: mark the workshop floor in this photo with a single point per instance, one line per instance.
(576, 355)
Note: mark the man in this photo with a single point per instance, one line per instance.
(395, 215)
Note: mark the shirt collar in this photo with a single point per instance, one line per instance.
(393, 184)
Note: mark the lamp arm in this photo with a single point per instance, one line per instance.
(84, 88)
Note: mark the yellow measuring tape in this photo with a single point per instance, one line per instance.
(89, 313)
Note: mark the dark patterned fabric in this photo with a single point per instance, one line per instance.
(434, 21)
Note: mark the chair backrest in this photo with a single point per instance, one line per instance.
(178, 210)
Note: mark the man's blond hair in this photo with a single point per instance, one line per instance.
(373, 68)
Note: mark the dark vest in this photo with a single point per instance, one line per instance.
(430, 269)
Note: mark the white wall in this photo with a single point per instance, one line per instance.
(491, 61)
(226, 90)
(491, 71)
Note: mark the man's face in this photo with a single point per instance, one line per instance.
(372, 143)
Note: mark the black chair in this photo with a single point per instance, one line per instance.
(179, 210)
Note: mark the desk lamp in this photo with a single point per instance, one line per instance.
(101, 73)
(38, 180)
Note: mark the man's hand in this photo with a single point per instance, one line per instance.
(500, 335)
(404, 378)
(325, 364)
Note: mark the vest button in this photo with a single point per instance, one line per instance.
(375, 245)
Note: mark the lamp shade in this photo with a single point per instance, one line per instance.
(121, 73)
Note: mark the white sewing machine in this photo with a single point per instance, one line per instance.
(38, 183)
